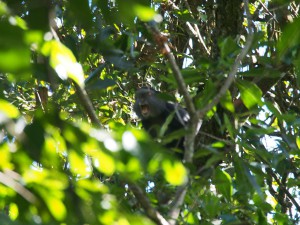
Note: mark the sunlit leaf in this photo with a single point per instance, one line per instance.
(64, 62)
(56, 207)
(78, 165)
(8, 110)
(144, 13)
(153, 164)
(250, 93)
(3, 8)
(92, 185)
(13, 211)
(103, 162)
(218, 144)
(175, 172)
(5, 157)
(132, 169)
(298, 142)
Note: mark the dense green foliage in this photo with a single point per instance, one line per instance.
(61, 165)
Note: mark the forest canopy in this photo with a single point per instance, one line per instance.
(73, 151)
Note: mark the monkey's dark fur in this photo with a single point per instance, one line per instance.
(153, 112)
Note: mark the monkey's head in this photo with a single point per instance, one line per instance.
(147, 104)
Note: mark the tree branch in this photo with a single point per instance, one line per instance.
(152, 213)
(283, 188)
(162, 42)
(83, 96)
(176, 203)
(193, 125)
(87, 104)
(6, 179)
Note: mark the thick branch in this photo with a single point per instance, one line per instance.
(193, 124)
(162, 42)
(176, 203)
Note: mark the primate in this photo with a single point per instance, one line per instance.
(155, 113)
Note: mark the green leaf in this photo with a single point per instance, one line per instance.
(175, 172)
(100, 84)
(273, 109)
(77, 165)
(226, 102)
(14, 52)
(262, 219)
(259, 131)
(81, 13)
(290, 38)
(207, 94)
(250, 93)
(138, 8)
(228, 46)
(3, 8)
(102, 161)
(229, 126)
(244, 175)
(144, 13)
(223, 184)
(298, 142)
(5, 157)
(56, 207)
(192, 75)
(8, 110)
(242, 183)
(64, 62)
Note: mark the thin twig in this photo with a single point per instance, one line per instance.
(280, 185)
(283, 188)
(234, 69)
(267, 10)
(195, 30)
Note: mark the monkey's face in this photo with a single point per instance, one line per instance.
(142, 106)
(145, 110)
(147, 104)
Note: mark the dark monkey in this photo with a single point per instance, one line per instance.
(154, 112)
